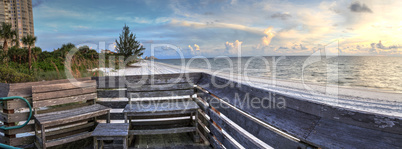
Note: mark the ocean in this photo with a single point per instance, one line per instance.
(378, 72)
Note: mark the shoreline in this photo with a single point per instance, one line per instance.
(359, 72)
(364, 100)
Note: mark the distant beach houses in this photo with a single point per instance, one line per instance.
(150, 58)
(107, 52)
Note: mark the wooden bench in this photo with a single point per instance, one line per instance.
(161, 109)
(65, 112)
(168, 101)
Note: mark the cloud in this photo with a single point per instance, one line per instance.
(233, 2)
(197, 50)
(361, 8)
(191, 48)
(233, 48)
(142, 20)
(184, 23)
(165, 51)
(264, 46)
(266, 40)
(373, 48)
(53, 13)
(283, 16)
(295, 48)
(81, 27)
(208, 13)
(287, 49)
(299, 47)
(380, 48)
(148, 41)
(36, 3)
(198, 25)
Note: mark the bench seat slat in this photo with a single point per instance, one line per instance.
(160, 87)
(162, 131)
(61, 117)
(172, 93)
(68, 139)
(147, 107)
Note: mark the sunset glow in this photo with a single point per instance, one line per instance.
(263, 27)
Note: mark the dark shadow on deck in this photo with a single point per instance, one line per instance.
(170, 141)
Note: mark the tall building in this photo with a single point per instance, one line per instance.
(19, 14)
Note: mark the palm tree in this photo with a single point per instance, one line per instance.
(13, 53)
(29, 40)
(36, 51)
(7, 33)
(21, 53)
(16, 42)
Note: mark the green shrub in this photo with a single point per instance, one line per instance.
(49, 75)
(9, 75)
(46, 65)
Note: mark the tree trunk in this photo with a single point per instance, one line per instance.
(5, 46)
(29, 57)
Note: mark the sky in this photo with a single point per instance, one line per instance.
(210, 28)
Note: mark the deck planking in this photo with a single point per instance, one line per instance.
(182, 140)
(169, 141)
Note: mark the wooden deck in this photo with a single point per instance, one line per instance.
(318, 111)
(169, 141)
(308, 121)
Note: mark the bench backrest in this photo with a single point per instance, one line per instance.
(173, 91)
(63, 93)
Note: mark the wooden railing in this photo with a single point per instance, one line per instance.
(226, 121)
(231, 126)
(234, 123)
